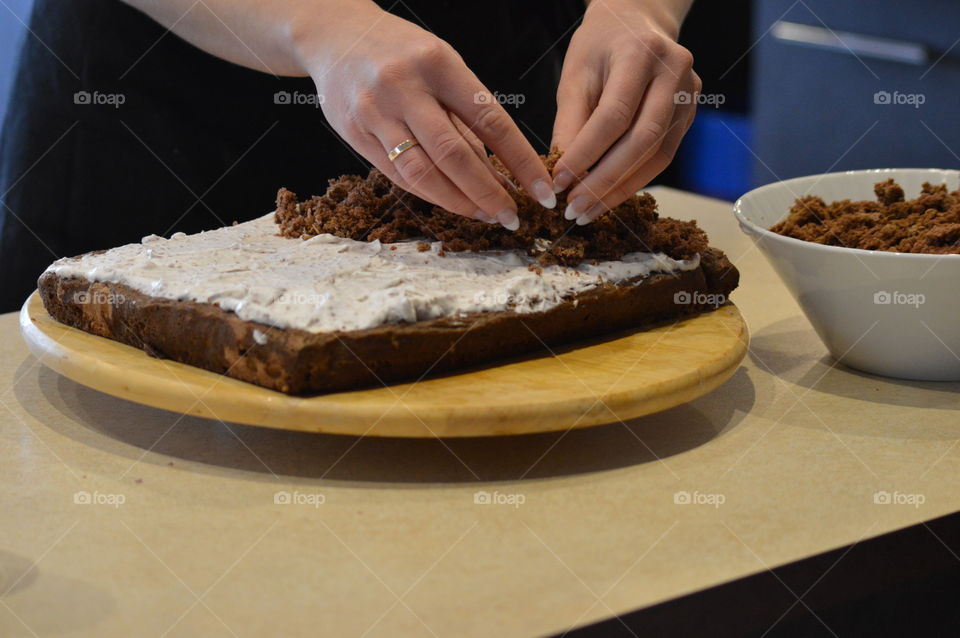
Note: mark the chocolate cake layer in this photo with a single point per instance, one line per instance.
(300, 362)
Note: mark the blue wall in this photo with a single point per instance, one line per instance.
(11, 35)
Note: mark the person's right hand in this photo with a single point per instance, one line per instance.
(385, 80)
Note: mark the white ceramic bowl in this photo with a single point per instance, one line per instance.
(892, 314)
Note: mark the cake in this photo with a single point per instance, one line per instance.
(313, 298)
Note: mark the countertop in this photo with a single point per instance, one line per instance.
(122, 520)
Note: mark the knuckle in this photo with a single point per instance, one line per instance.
(451, 148)
(618, 113)
(495, 124)
(617, 196)
(525, 166)
(683, 57)
(603, 185)
(412, 167)
(390, 73)
(697, 83)
(647, 136)
(652, 43)
(430, 53)
(362, 109)
(487, 195)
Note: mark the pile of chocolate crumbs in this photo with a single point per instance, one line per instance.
(373, 208)
(928, 224)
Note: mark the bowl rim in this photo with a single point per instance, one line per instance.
(749, 227)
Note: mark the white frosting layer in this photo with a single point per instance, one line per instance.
(329, 283)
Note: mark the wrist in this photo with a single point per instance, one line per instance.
(318, 33)
(664, 16)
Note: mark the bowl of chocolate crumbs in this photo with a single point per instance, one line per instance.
(873, 259)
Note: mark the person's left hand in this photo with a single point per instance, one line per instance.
(626, 98)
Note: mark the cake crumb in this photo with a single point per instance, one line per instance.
(423, 247)
(928, 224)
(373, 208)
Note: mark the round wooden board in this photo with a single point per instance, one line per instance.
(587, 384)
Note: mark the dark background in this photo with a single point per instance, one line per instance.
(788, 110)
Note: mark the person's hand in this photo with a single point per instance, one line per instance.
(385, 80)
(627, 96)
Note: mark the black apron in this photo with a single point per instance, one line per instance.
(194, 141)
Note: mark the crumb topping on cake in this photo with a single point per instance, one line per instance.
(372, 208)
(928, 224)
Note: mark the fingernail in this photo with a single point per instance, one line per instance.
(544, 194)
(591, 215)
(562, 181)
(483, 216)
(508, 219)
(506, 183)
(577, 207)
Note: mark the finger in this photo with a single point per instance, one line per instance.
(614, 115)
(575, 101)
(643, 176)
(646, 168)
(458, 160)
(476, 106)
(634, 149)
(416, 168)
(371, 149)
(481, 152)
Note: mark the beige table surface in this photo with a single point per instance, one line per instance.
(183, 536)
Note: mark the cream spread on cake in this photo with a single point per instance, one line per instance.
(328, 283)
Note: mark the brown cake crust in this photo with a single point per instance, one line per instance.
(300, 362)
(928, 224)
